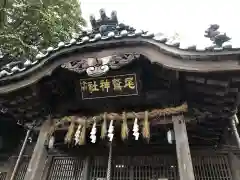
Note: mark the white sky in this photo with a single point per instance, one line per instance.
(188, 17)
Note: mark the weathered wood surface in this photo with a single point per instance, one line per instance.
(185, 166)
(39, 157)
(234, 162)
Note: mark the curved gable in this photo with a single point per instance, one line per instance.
(110, 38)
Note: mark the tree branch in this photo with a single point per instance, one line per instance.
(19, 39)
(2, 14)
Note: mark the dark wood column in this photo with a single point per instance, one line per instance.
(39, 157)
(12, 162)
(185, 166)
(86, 170)
(234, 162)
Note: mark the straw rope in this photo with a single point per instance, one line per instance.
(145, 116)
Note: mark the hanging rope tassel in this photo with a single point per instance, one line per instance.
(69, 135)
(82, 137)
(136, 129)
(104, 126)
(146, 127)
(93, 133)
(111, 131)
(77, 134)
(124, 129)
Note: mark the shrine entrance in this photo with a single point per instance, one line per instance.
(142, 131)
(136, 160)
(142, 166)
(122, 104)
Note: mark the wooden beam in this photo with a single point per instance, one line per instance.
(39, 157)
(185, 166)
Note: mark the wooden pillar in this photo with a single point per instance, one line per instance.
(234, 162)
(185, 166)
(86, 170)
(235, 130)
(12, 162)
(47, 167)
(39, 157)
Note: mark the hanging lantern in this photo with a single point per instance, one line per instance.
(170, 136)
(51, 142)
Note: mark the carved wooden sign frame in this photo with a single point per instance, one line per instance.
(109, 86)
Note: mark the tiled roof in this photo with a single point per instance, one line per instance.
(108, 30)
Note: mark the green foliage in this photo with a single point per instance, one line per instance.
(27, 26)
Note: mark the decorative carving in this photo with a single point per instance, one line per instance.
(95, 67)
(76, 66)
(105, 23)
(117, 61)
(215, 35)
